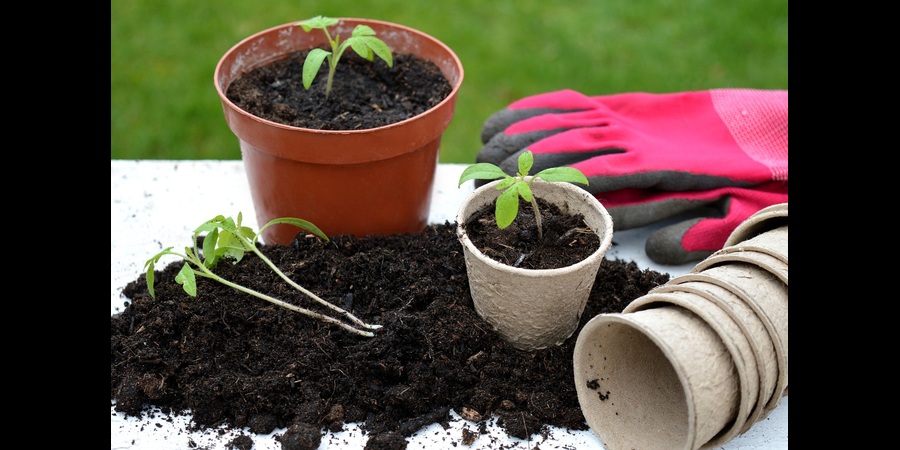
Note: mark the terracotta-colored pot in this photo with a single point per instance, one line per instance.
(360, 182)
(529, 308)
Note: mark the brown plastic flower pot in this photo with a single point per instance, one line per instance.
(360, 182)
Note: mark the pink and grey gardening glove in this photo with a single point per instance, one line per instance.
(720, 154)
(709, 216)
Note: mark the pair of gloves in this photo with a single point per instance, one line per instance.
(712, 158)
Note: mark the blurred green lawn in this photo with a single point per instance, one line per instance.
(164, 52)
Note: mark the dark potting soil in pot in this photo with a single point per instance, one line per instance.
(565, 239)
(365, 94)
(234, 360)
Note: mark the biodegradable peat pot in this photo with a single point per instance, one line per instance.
(743, 355)
(659, 378)
(767, 295)
(534, 309)
(361, 182)
(768, 355)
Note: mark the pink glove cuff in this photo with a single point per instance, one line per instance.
(758, 121)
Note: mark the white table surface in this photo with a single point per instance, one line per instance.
(156, 204)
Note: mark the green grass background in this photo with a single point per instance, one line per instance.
(164, 52)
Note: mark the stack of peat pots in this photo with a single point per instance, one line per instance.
(699, 360)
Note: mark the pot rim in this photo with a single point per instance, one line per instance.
(283, 28)
(605, 237)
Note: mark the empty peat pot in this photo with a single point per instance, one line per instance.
(743, 356)
(659, 378)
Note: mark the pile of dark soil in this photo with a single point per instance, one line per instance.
(234, 360)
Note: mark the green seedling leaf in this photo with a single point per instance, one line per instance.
(526, 160)
(363, 30)
(311, 65)
(505, 183)
(368, 47)
(507, 208)
(524, 190)
(569, 174)
(229, 245)
(481, 171)
(318, 22)
(149, 270)
(299, 223)
(209, 247)
(187, 280)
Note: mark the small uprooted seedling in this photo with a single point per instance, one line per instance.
(507, 205)
(226, 238)
(362, 40)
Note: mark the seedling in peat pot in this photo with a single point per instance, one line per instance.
(362, 40)
(226, 238)
(507, 205)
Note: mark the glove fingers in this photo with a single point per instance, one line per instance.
(502, 119)
(504, 146)
(547, 160)
(627, 215)
(664, 245)
(657, 180)
(736, 206)
(693, 239)
(698, 238)
(562, 99)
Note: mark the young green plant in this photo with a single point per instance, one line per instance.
(226, 238)
(362, 40)
(513, 187)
